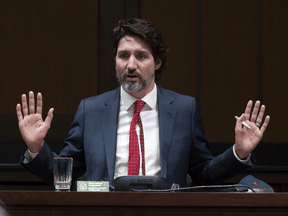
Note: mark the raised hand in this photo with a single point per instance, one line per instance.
(246, 140)
(32, 127)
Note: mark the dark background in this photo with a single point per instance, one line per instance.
(222, 52)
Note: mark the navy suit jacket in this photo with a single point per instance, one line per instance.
(183, 148)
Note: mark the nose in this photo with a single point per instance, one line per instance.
(132, 63)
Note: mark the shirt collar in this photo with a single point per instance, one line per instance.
(127, 100)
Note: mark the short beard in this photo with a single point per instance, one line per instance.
(132, 87)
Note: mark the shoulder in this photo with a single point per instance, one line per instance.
(183, 103)
(101, 100)
(174, 96)
(104, 97)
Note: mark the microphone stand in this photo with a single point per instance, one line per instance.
(137, 130)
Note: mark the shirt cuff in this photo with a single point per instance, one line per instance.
(246, 161)
(29, 156)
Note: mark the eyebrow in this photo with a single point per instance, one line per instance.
(138, 51)
(143, 51)
(122, 51)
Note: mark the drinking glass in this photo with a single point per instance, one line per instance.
(62, 168)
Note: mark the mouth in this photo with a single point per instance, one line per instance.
(131, 76)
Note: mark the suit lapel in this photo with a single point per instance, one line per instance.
(109, 122)
(167, 113)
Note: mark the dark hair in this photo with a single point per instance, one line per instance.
(146, 31)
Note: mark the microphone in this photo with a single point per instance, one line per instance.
(137, 130)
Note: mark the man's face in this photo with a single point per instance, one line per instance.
(135, 65)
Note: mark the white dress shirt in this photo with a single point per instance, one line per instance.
(150, 122)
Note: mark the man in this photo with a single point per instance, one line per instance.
(102, 138)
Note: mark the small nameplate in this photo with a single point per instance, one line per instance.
(93, 186)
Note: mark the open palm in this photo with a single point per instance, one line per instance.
(32, 127)
(246, 140)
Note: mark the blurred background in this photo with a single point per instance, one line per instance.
(221, 52)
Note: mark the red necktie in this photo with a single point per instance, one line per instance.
(134, 156)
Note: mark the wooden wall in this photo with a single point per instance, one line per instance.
(51, 47)
(222, 52)
(225, 53)
(275, 67)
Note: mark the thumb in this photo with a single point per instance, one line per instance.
(49, 117)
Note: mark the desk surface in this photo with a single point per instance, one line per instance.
(51, 198)
(105, 203)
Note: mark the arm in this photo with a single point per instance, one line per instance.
(33, 130)
(206, 169)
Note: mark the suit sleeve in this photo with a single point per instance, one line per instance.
(42, 164)
(205, 169)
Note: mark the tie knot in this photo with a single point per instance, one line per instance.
(138, 105)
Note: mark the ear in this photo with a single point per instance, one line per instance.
(158, 64)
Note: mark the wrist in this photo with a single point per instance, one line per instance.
(35, 148)
(243, 155)
(32, 152)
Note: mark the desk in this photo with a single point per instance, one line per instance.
(134, 203)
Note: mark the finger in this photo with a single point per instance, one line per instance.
(49, 117)
(19, 113)
(265, 124)
(248, 110)
(24, 105)
(39, 103)
(260, 116)
(255, 111)
(31, 103)
(239, 122)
